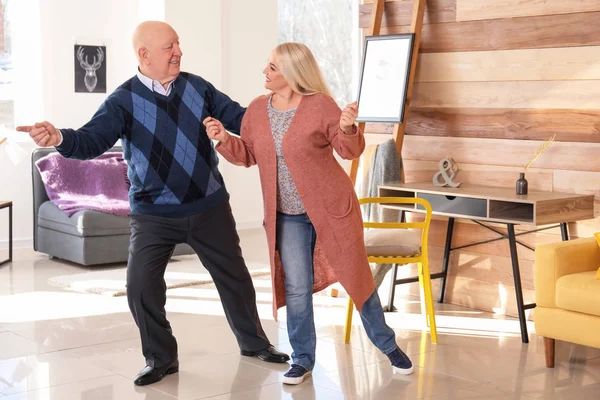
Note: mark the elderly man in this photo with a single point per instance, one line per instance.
(177, 194)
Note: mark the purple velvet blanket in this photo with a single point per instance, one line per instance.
(100, 184)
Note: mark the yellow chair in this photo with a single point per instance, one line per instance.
(401, 246)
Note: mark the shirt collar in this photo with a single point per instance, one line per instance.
(153, 85)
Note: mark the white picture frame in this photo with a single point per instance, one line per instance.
(384, 78)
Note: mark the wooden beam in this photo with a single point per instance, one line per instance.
(469, 10)
(571, 156)
(569, 125)
(376, 18)
(415, 27)
(548, 31)
(399, 13)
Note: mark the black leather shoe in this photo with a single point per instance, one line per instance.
(152, 375)
(269, 355)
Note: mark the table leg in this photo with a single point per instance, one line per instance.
(564, 231)
(517, 278)
(447, 250)
(10, 236)
(10, 233)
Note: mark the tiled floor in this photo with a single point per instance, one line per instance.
(60, 344)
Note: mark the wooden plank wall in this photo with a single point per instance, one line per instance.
(494, 80)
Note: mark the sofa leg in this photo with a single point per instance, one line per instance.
(549, 345)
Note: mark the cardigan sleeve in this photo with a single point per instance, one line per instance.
(239, 151)
(349, 147)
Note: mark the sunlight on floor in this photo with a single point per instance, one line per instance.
(204, 300)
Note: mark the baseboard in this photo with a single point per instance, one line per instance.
(247, 225)
(18, 243)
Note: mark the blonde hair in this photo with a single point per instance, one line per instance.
(300, 69)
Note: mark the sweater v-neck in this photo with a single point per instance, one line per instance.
(159, 96)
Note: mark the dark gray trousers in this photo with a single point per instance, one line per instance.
(214, 238)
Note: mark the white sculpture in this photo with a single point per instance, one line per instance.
(447, 165)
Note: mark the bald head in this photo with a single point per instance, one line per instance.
(149, 32)
(156, 46)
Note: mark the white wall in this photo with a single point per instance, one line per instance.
(14, 180)
(249, 35)
(66, 22)
(44, 33)
(198, 24)
(226, 42)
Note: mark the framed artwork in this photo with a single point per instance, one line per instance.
(384, 78)
(90, 69)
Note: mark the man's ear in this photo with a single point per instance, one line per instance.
(143, 55)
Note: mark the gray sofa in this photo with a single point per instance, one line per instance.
(87, 237)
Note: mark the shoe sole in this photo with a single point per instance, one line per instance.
(404, 371)
(296, 381)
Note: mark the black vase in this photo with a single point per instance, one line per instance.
(522, 184)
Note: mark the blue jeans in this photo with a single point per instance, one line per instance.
(296, 238)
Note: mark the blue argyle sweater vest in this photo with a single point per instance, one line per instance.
(172, 164)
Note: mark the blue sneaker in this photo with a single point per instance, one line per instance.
(400, 362)
(296, 375)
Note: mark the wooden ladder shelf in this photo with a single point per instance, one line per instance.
(374, 29)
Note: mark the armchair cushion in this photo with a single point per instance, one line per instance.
(579, 292)
(555, 260)
(82, 223)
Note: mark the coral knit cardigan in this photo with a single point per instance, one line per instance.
(324, 187)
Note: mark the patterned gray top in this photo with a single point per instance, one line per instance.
(288, 199)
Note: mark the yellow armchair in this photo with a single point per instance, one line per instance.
(567, 294)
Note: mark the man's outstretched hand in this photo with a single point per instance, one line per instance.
(44, 134)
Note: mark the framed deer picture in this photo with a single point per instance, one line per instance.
(90, 69)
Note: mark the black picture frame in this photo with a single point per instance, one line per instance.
(90, 68)
(389, 98)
